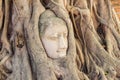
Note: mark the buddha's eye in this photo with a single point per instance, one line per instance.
(53, 37)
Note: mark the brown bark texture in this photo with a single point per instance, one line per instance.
(93, 39)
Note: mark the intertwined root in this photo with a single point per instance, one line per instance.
(100, 44)
(5, 52)
(96, 33)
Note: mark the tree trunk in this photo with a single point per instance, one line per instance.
(93, 39)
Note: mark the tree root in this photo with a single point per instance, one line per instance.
(6, 48)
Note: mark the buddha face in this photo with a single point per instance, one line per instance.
(55, 40)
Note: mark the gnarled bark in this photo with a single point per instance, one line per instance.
(94, 40)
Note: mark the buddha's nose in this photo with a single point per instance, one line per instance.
(62, 43)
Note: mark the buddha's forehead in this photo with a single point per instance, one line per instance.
(56, 28)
